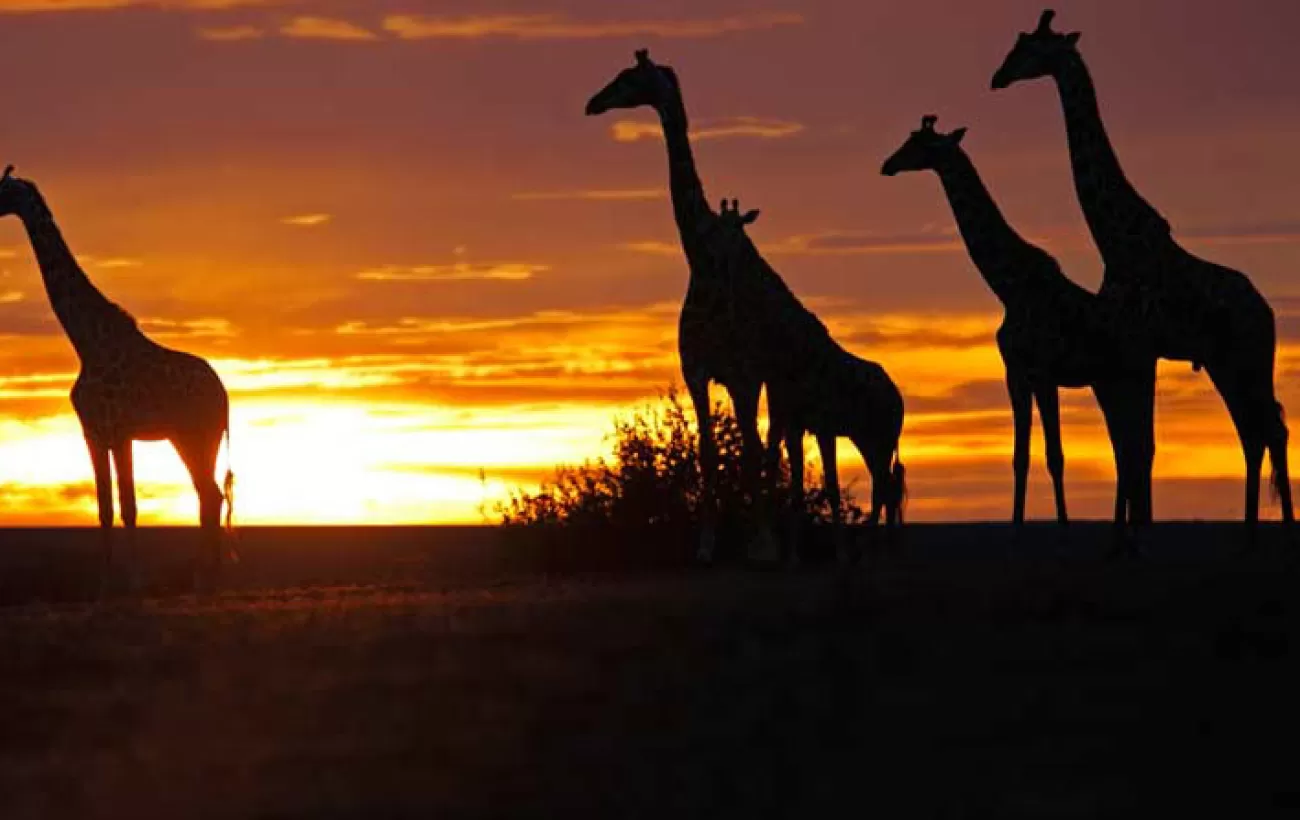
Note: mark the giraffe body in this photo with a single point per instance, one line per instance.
(816, 386)
(716, 340)
(1054, 333)
(130, 388)
(1189, 309)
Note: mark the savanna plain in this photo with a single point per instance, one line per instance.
(477, 672)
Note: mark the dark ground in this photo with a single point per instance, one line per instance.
(466, 673)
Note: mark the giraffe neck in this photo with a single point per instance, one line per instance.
(82, 311)
(1116, 213)
(690, 208)
(990, 240)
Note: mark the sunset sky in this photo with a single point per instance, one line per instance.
(410, 256)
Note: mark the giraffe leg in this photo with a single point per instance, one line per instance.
(1245, 418)
(827, 446)
(1277, 454)
(124, 466)
(104, 495)
(200, 457)
(1022, 410)
(698, 389)
(1111, 398)
(878, 459)
(763, 546)
(1144, 446)
(795, 507)
(1049, 411)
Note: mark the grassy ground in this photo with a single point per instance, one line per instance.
(951, 683)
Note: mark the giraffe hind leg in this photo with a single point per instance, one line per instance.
(99, 460)
(199, 453)
(124, 466)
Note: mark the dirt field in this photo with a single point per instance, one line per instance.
(444, 673)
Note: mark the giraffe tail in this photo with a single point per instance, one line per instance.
(898, 476)
(228, 489)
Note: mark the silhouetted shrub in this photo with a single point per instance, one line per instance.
(653, 477)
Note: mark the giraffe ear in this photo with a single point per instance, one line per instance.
(956, 136)
(749, 218)
(1072, 38)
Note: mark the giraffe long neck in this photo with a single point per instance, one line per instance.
(1116, 213)
(990, 240)
(81, 309)
(690, 207)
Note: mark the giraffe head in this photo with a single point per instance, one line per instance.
(15, 193)
(732, 218)
(1039, 53)
(645, 83)
(924, 149)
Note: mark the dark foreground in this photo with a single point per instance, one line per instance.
(414, 673)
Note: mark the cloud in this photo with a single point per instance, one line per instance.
(1261, 233)
(457, 271)
(653, 246)
(326, 28)
(306, 220)
(9, 297)
(560, 27)
(862, 243)
(34, 6)
(231, 33)
(191, 328)
(108, 263)
(634, 130)
(594, 195)
(829, 243)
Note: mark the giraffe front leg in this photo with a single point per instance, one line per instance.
(826, 445)
(1023, 413)
(795, 507)
(123, 465)
(104, 496)
(1049, 410)
(762, 546)
(698, 388)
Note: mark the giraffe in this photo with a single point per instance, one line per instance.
(1054, 333)
(715, 342)
(1192, 309)
(129, 388)
(816, 386)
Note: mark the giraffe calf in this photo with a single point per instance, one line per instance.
(816, 386)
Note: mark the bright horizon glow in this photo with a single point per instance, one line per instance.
(413, 260)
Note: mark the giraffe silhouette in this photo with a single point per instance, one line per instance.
(716, 342)
(1192, 309)
(815, 386)
(1054, 333)
(130, 388)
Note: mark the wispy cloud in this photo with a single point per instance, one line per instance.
(10, 297)
(458, 271)
(306, 220)
(594, 195)
(829, 243)
(35, 6)
(863, 243)
(561, 27)
(326, 28)
(205, 327)
(634, 130)
(231, 33)
(1264, 233)
(108, 263)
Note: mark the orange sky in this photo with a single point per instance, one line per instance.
(410, 256)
